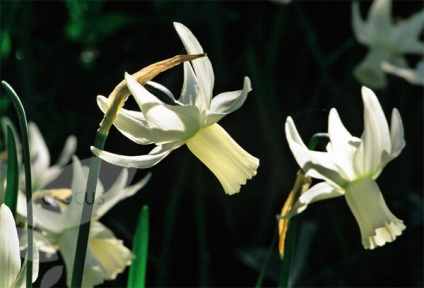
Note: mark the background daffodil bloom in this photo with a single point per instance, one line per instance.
(350, 167)
(190, 120)
(387, 41)
(11, 272)
(58, 228)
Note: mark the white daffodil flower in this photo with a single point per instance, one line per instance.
(41, 171)
(350, 167)
(191, 120)
(413, 76)
(58, 230)
(387, 41)
(11, 272)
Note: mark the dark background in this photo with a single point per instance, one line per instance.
(59, 55)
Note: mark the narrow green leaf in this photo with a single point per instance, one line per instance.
(23, 125)
(137, 273)
(12, 188)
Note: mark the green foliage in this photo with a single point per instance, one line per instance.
(12, 188)
(137, 274)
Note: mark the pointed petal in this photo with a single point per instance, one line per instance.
(396, 134)
(140, 162)
(167, 123)
(397, 142)
(40, 156)
(202, 66)
(161, 92)
(406, 34)
(379, 17)
(117, 193)
(360, 28)
(226, 103)
(318, 192)
(342, 146)
(315, 164)
(224, 157)
(413, 76)
(67, 152)
(375, 138)
(20, 280)
(190, 88)
(130, 123)
(10, 261)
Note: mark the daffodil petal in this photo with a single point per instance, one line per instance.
(140, 162)
(379, 17)
(117, 192)
(20, 280)
(343, 145)
(67, 151)
(10, 261)
(202, 66)
(375, 138)
(190, 88)
(404, 32)
(396, 133)
(224, 157)
(315, 164)
(131, 124)
(230, 101)
(318, 192)
(413, 76)
(167, 123)
(359, 26)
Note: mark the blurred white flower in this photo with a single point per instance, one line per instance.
(386, 40)
(58, 226)
(190, 120)
(413, 76)
(12, 274)
(41, 172)
(350, 167)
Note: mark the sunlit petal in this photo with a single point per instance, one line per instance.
(202, 66)
(315, 164)
(140, 162)
(190, 88)
(318, 192)
(167, 123)
(130, 123)
(227, 102)
(375, 138)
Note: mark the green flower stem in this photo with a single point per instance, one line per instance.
(87, 212)
(12, 188)
(137, 273)
(23, 125)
